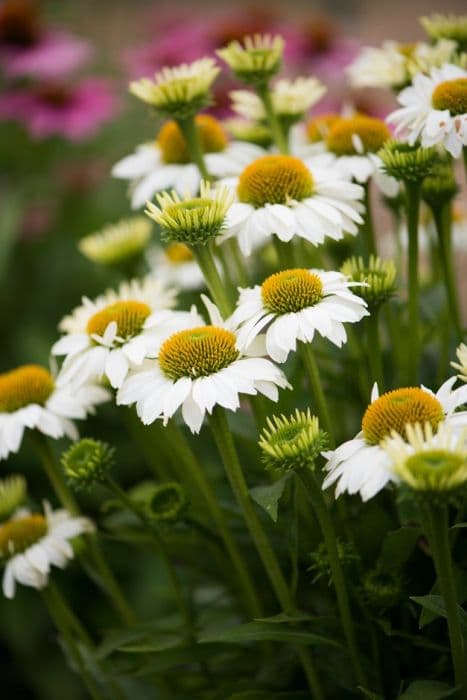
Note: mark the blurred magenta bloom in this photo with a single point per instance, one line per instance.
(55, 55)
(75, 112)
(29, 49)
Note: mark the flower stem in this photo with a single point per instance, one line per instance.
(438, 536)
(412, 209)
(190, 132)
(133, 507)
(276, 129)
(374, 350)
(226, 447)
(205, 259)
(68, 501)
(316, 498)
(284, 252)
(54, 473)
(238, 261)
(367, 227)
(185, 457)
(309, 361)
(442, 218)
(57, 608)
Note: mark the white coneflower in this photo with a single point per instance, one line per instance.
(291, 99)
(181, 90)
(355, 142)
(30, 544)
(197, 369)
(361, 465)
(394, 64)
(166, 163)
(190, 219)
(257, 60)
(117, 243)
(294, 304)
(281, 195)
(108, 335)
(428, 461)
(434, 109)
(30, 397)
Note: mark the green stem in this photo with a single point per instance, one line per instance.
(225, 445)
(316, 498)
(276, 129)
(109, 582)
(367, 227)
(238, 261)
(56, 606)
(68, 501)
(442, 218)
(440, 546)
(205, 259)
(311, 367)
(374, 350)
(54, 473)
(412, 208)
(185, 457)
(284, 252)
(222, 254)
(190, 132)
(133, 507)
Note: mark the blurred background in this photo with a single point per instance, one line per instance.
(65, 119)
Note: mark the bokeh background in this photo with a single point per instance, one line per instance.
(54, 190)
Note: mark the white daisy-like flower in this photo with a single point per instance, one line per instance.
(30, 544)
(166, 163)
(428, 461)
(393, 64)
(355, 142)
(434, 109)
(108, 335)
(281, 195)
(117, 243)
(461, 365)
(294, 304)
(361, 465)
(177, 89)
(30, 397)
(197, 369)
(257, 59)
(176, 266)
(290, 99)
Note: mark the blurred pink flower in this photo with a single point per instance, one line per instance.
(175, 41)
(29, 49)
(55, 55)
(75, 112)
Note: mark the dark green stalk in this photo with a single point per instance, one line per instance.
(413, 208)
(438, 535)
(226, 447)
(318, 503)
(442, 218)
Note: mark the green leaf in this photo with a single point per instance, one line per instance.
(398, 546)
(268, 695)
(283, 617)
(268, 496)
(435, 604)
(458, 525)
(179, 656)
(427, 690)
(264, 631)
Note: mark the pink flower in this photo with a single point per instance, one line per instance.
(27, 49)
(75, 112)
(55, 55)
